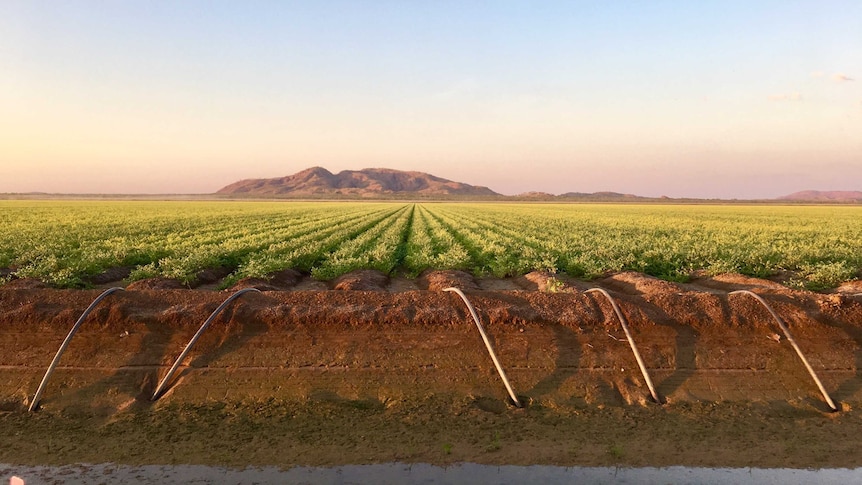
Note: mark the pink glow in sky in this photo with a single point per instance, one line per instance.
(685, 99)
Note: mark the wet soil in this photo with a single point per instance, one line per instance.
(370, 369)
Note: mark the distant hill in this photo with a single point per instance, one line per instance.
(579, 196)
(366, 183)
(600, 195)
(825, 196)
(385, 183)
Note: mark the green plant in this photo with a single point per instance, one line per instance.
(554, 285)
(820, 276)
(616, 451)
(495, 443)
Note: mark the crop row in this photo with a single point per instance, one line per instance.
(66, 243)
(822, 246)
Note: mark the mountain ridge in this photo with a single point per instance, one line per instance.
(369, 182)
(824, 196)
(382, 183)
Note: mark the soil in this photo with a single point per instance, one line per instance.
(364, 280)
(111, 275)
(375, 369)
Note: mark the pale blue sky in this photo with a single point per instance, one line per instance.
(726, 99)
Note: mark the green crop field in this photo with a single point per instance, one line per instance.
(66, 242)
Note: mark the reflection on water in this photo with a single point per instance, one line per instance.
(399, 473)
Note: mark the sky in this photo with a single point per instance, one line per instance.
(711, 99)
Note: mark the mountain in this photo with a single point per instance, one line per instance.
(384, 183)
(825, 196)
(580, 197)
(600, 196)
(366, 183)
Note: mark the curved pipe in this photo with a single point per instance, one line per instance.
(487, 345)
(631, 340)
(194, 339)
(38, 396)
(792, 342)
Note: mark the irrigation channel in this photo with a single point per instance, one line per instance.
(628, 354)
(403, 473)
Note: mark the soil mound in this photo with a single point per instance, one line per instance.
(544, 281)
(256, 283)
(850, 287)
(24, 284)
(155, 284)
(210, 276)
(439, 280)
(283, 280)
(733, 281)
(111, 275)
(362, 280)
(639, 284)
(286, 278)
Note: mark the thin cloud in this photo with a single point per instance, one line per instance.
(838, 77)
(818, 74)
(786, 97)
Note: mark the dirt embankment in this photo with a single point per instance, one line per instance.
(371, 369)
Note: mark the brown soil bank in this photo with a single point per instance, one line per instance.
(347, 376)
